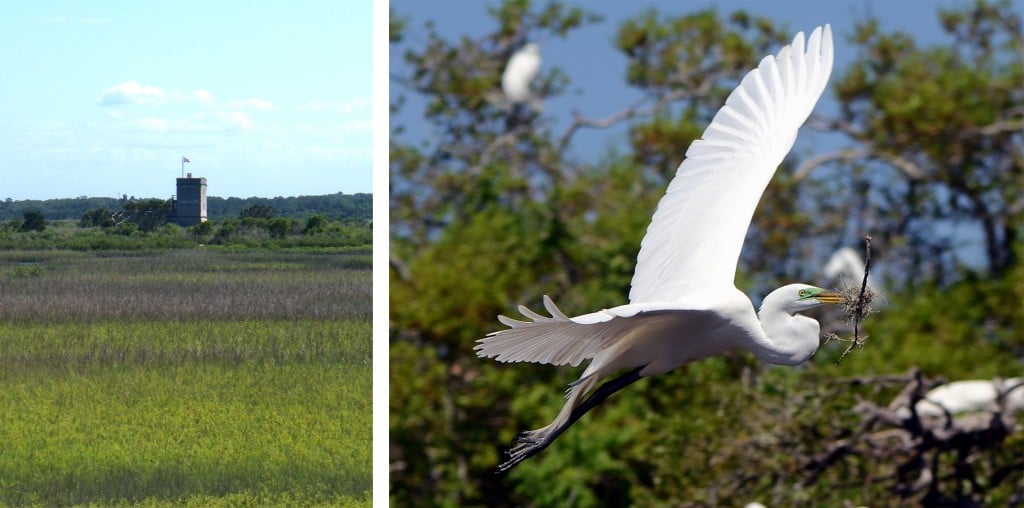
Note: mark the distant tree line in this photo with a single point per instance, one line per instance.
(30, 220)
(338, 206)
(145, 225)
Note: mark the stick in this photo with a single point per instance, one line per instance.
(862, 300)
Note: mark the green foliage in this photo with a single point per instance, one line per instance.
(202, 230)
(315, 224)
(148, 214)
(280, 227)
(492, 211)
(255, 233)
(57, 209)
(948, 119)
(125, 229)
(338, 206)
(977, 318)
(33, 220)
(257, 212)
(11, 225)
(97, 217)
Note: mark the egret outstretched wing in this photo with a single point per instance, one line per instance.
(683, 303)
(695, 237)
(561, 340)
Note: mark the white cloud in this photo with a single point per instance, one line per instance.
(82, 21)
(151, 124)
(224, 120)
(203, 95)
(254, 103)
(131, 92)
(356, 105)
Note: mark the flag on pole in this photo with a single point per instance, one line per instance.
(184, 159)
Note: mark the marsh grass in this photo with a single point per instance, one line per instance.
(203, 284)
(252, 387)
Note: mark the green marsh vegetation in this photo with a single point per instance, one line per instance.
(204, 376)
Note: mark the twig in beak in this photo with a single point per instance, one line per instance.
(859, 307)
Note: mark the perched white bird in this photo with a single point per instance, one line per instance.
(846, 265)
(684, 305)
(969, 396)
(522, 68)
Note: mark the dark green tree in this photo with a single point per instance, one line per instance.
(257, 212)
(148, 214)
(279, 227)
(202, 230)
(97, 217)
(33, 220)
(315, 224)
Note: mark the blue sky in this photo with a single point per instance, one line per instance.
(597, 70)
(265, 98)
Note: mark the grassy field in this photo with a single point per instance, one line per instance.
(187, 377)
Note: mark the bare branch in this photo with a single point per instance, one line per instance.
(927, 452)
(579, 121)
(1002, 126)
(400, 268)
(870, 150)
(846, 154)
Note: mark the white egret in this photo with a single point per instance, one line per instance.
(520, 71)
(846, 265)
(684, 305)
(969, 396)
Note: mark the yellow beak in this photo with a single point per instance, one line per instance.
(829, 297)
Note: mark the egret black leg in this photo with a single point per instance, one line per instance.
(530, 443)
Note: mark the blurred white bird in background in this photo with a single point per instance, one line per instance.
(970, 396)
(847, 266)
(521, 70)
(684, 305)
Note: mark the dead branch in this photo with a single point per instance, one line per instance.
(633, 110)
(846, 154)
(937, 458)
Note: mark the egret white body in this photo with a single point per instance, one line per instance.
(684, 305)
(520, 71)
(970, 396)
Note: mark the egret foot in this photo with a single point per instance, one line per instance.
(531, 442)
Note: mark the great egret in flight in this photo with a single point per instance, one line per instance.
(520, 71)
(684, 305)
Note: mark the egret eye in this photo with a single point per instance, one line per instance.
(806, 293)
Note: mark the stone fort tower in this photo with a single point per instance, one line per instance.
(190, 202)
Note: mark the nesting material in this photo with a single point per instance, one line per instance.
(856, 304)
